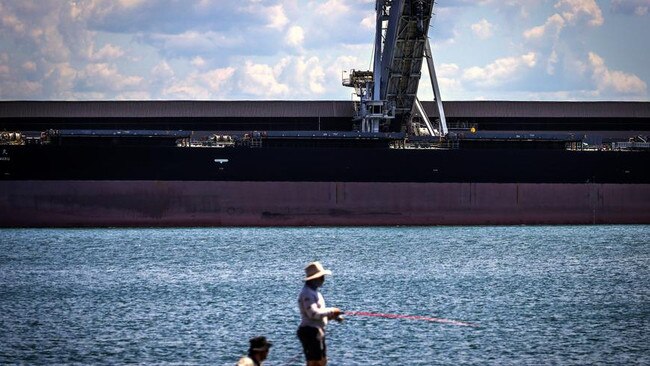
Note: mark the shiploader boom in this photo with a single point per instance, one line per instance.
(388, 94)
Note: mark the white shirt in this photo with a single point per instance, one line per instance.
(247, 361)
(313, 312)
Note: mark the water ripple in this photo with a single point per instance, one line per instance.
(541, 295)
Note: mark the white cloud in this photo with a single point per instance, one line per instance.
(195, 41)
(308, 76)
(276, 16)
(59, 80)
(449, 76)
(20, 89)
(186, 90)
(551, 62)
(213, 84)
(574, 11)
(261, 80)
(133, 95)
(369, 21)
(553, 26)
(10, 21)
(217, 78)
(162, 71)
(108, 52)
(316, 78)
(76, 10)
(610, 82)
(198, 49)
(29, 66)
(295, 36)
(483, 29)
(130, 3)
(102, 76)
(198, 61)
(520, 8)
(297, 76)
(448, 70)
(333, 7)
(500, 71)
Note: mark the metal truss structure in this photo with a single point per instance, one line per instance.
(388, 94)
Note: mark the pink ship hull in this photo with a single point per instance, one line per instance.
(182, 203)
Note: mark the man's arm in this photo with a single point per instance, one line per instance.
(313, 311)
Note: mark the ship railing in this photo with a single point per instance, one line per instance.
(576, 146)
(633, 145)
(255, 143)
(215, 140)
(33, 140)
(430, 144)
(211, 144)
(253, 139)
(613, 146)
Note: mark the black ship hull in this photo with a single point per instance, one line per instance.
(112, 185)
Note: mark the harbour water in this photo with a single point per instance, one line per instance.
(540, 295)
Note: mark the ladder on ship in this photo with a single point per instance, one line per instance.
(388, 93)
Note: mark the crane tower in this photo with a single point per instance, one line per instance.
(388, 94)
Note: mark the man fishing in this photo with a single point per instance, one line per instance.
(314, 315)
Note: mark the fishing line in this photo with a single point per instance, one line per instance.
(411, 317)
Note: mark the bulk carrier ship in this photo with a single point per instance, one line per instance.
(396, 166)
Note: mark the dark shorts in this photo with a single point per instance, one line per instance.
(312, 344)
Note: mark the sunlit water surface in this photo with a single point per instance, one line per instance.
(540, 295)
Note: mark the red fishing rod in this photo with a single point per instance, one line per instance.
(411, 317)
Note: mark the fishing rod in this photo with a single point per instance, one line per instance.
(411, 317)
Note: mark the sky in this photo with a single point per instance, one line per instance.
(299, 49)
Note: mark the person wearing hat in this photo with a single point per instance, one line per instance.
(257, 352)
(314, 315)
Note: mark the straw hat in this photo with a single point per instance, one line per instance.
(315, 270)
